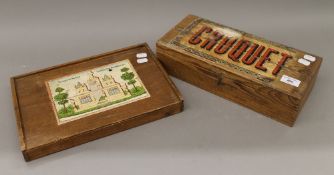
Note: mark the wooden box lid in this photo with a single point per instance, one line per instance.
(70, 104)
(241, 59)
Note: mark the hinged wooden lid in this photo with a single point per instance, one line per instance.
(219, 47)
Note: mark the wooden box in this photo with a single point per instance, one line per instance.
(267, 77)
(71, 104)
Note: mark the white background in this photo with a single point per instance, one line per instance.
(212, 135)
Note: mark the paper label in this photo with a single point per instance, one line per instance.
(291, 81)
(93, 91)
(310, 58)
(303, 61)
(141, 55)
(142, 60)
(234, 51)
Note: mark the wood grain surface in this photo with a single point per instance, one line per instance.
(38, 130)
(260, 90)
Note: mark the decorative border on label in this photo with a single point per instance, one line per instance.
(177, 39)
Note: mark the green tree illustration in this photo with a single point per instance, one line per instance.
(61, 97)
(129, 76)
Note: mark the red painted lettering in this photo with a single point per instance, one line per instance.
(195, 39)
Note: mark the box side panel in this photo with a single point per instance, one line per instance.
(103, 131)
(310, 86)
(265, 100)
(18, 116)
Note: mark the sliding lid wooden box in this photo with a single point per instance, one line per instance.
(67, 105)
(267, 77)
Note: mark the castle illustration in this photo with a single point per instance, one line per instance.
(96, 91)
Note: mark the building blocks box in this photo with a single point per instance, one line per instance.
(71, 104)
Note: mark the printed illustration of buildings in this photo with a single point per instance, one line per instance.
(96, 91)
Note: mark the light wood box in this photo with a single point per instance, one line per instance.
(41, 132)
(265, 76)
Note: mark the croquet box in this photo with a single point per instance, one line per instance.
(265, 76)
(71, 104)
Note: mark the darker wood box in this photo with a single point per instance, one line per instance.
(267, 77)
(71, 104)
